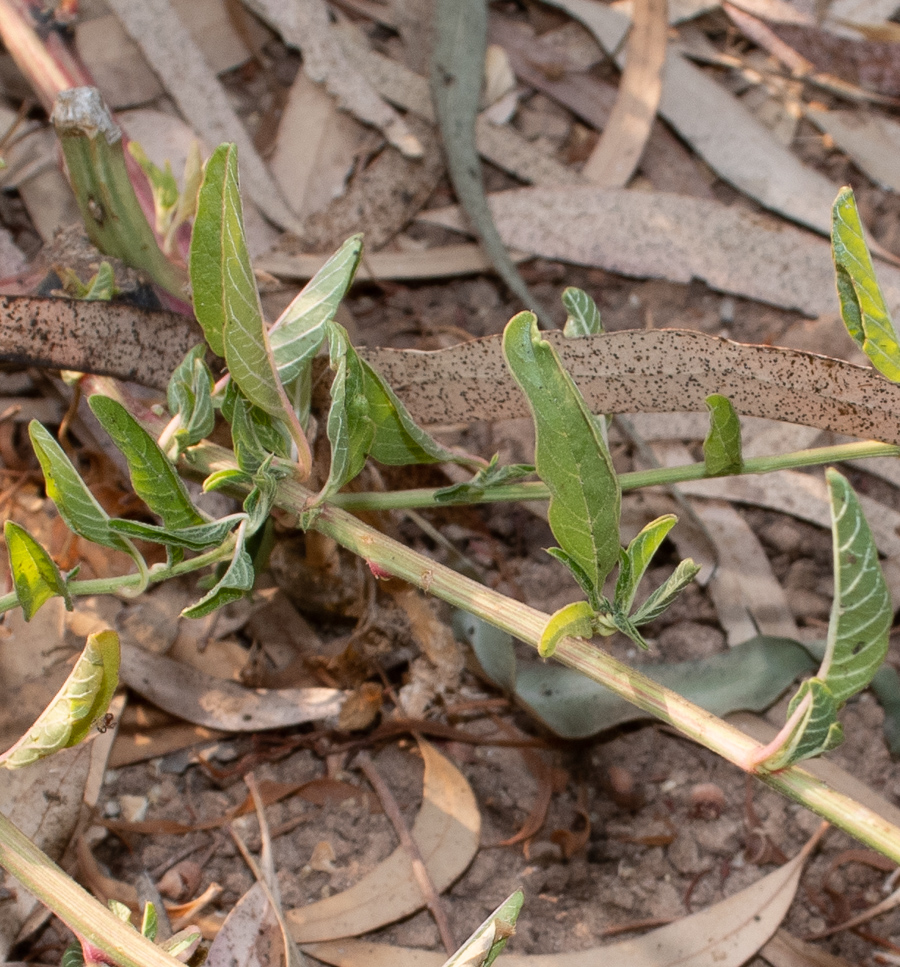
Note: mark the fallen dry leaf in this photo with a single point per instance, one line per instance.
(250, 935)
(446, 832)
(871, 140)
(220, 704)
(727, 934)
(655, 234)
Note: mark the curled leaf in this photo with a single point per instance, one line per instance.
(35, 574)
(574, 619)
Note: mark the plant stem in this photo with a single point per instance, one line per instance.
(405, 499)
(125, 582)
(74, 905)
(527, 624)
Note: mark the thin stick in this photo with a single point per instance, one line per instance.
(420, 872)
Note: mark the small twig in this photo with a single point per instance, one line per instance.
(420, 872)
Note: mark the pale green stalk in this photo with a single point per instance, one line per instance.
(527, 624)
(424, 497)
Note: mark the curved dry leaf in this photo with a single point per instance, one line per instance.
(871, 140)
(727, 934)
(219, 704)
(446, 832)
(44, 801)
(250, 935)
(615, 158)
(661, 235)
(648, 371)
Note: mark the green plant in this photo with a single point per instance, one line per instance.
(265, 398)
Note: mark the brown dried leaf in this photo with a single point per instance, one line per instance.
(446, 832)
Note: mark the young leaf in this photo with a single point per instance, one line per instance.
(722, 446)
(227, 478)
(664, 595)
(83, 698)
(861, 614)
(191, 538)
(574, 619)
(149, 922)
(226, 300)
(816, 730)
(583, 318)
(634, 561)
(153, 477)
(234, 583)
(35, 574)
(300, 331)
(101, 287)
(76, 504)
(486, 479)
(255, 435)
(189, 396)
(863, 308)
(398, 440)
(571, 456)
(488, 941)
(350, 428)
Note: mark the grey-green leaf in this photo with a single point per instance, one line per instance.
(301, 329)
(861, 614)
(722, 446)
(457, 70)
(816, 732)
(582, 314)
(83, 698)
(189, 396)
(235, 582)
(664, 595)
(571, 455)
(488, 478)
(863, 307)
(153, 477)
(76, 504)
(197, 538)
(35, 575)
(636, 559)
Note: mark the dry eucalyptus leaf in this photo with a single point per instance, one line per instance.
(871, 140)
(726, 934)
(446, 832)
(250, 935)
(659, 235)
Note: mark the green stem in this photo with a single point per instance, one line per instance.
(74, 905)
(527, 624)
(405, 499)
(128, 582)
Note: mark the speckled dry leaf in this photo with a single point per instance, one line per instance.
(723, 132)
(307, 27)
(659, 235)
(651, 371)
(220, 704)
(446, 832)
(177, 60)
(250, 935)
(44, 801)
(727, 934)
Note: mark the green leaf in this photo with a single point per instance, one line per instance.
(861, 614)
(574, 619)
(488, 941)
(236, 581)
(259, 502)
(350, 428)
(227, 478)
(301, 329)
(816, 731)
(189, 396)
(76, 504)
(254, 434)
(398, 440)
(571, 456)
(82, 700)
(101, 287)
(664, 595)
(863, 308)
(722, 446)
(121, 910)
(583, 316)
(35, 574)
(486, 479)
(153, 477)
(149, 922)
(191, 538)
(634, 561)
(226, 300)
(73, 955)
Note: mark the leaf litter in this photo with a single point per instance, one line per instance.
(226, 660)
